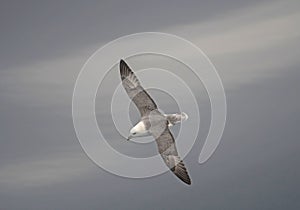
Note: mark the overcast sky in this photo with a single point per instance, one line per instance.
(255, 46)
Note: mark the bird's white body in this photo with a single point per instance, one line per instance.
(140, 130)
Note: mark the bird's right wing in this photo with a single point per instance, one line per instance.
(167, 149)
(135, 91)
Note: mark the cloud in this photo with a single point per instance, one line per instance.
(45, 170)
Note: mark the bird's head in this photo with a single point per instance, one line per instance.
(137, 131)
(132, 133)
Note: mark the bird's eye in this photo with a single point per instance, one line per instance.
(134, 133)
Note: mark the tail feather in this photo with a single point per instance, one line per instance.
(176, 118)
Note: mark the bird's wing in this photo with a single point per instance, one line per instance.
(135, 91)
(167, 149)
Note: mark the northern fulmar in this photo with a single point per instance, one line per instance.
(154, 123)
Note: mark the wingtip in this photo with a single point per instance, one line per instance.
(186, 180)
(123, 65)
(181, 172)
(122, 61)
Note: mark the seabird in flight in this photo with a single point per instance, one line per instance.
(154, 123)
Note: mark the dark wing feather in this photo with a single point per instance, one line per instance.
(167, 149)
(135, 91)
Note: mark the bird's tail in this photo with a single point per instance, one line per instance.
(176, 118)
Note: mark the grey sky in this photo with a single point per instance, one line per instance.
(255, 48)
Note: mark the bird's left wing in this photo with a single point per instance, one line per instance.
(135, 91)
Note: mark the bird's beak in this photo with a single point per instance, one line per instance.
(129, 137)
